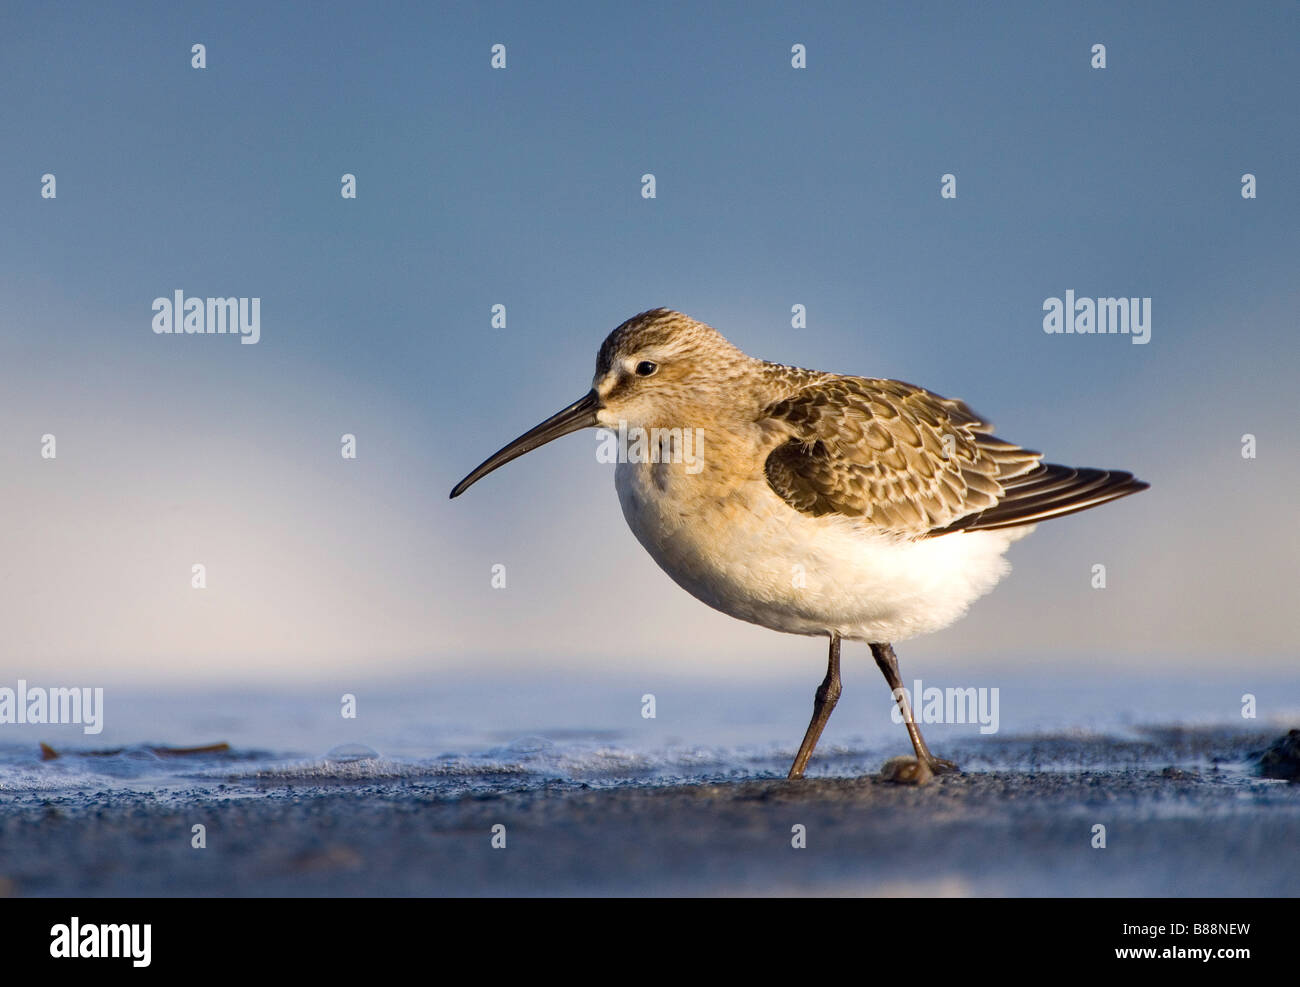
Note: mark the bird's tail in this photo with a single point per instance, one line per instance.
(1049, 491)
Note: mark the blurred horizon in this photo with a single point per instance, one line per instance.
(522, 187)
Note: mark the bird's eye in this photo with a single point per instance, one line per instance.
(645, 368)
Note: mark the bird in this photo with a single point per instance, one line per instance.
(812, 503)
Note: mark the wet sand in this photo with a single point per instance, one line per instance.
(1184, 813)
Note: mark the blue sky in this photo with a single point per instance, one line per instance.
(775, 186)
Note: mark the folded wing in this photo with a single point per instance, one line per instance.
(914, 463)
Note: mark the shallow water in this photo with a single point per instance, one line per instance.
(406, 798)
(466, 735)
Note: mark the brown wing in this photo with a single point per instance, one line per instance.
(1050, 491)
(915, 463)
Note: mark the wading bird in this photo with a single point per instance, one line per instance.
(821, 504)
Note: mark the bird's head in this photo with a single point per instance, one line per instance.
(659, 369)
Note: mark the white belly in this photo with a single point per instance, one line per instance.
(752, 556)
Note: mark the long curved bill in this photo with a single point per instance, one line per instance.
(580, 414)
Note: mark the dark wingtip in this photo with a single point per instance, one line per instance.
(1131, 486)
(1068, 490)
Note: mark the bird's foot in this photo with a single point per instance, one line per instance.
(914, 771)
(906, 771)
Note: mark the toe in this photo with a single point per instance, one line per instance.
(906, 771)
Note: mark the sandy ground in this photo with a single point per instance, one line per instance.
(1024, 826)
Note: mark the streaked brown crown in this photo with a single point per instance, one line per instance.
(663, 328)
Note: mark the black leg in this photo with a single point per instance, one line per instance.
(827, 696)
(927, 765)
